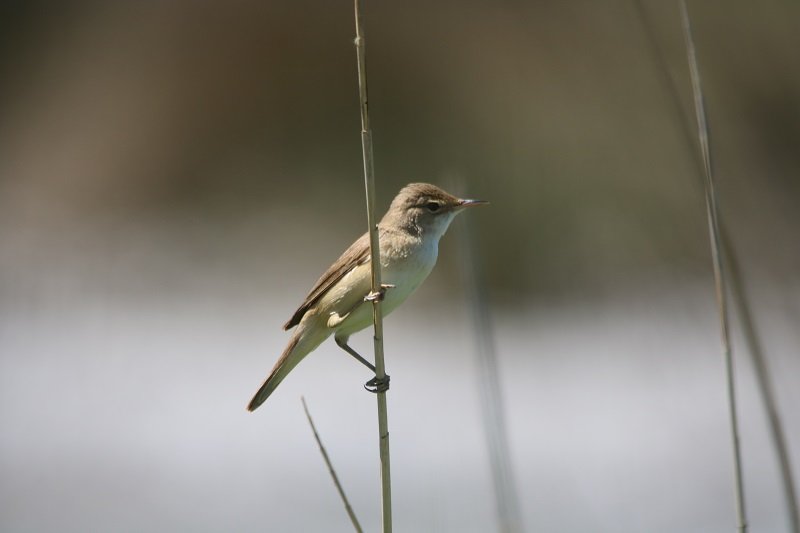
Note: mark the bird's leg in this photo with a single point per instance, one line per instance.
(379, 295)
(373, 385)
(342, 343)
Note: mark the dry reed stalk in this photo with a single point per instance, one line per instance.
(491, 391)
(374, 245)
(720, 282)
(332, 472)
(739, 296)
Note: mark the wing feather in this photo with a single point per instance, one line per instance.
(356, 254)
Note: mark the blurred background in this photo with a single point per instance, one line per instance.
(175, 175)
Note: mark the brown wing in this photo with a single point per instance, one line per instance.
(357, 254)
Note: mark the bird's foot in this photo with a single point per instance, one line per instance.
(379, 295)
(376, 385)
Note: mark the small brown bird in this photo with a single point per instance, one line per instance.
(409, 236)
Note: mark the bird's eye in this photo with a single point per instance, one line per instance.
(432, 206)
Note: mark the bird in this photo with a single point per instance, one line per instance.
(339, 303)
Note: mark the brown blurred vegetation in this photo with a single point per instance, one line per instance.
(557, 112)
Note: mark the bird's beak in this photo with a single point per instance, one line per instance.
(471, 203)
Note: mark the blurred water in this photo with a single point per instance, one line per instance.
(124, 380)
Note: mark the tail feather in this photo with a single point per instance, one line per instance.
(300, 345)
(281, 369)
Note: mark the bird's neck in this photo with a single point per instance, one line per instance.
(431, 231)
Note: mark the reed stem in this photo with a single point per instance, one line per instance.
(740, 299)
(332, 472)
(720, 282)
(374, 246)
(507, 504)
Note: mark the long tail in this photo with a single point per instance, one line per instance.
(301, 344)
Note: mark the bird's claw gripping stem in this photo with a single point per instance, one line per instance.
(376, 385)
(379, 295)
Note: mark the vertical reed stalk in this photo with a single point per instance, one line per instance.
(716, 257)
(739, 295)
(374, 246)
(754, 345)
(331, 471)
(491, 392)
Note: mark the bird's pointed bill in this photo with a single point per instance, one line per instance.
(471, 203)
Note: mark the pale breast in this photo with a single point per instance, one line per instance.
(406, 266)
(405, 263)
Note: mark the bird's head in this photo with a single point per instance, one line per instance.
(425, 209)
